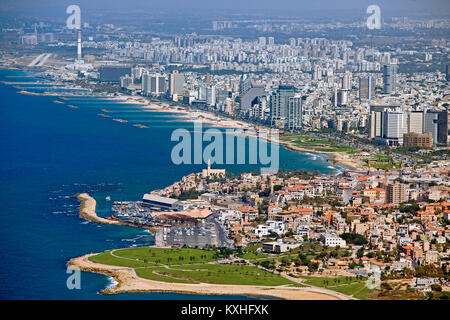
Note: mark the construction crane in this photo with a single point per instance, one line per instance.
(334, 167)
(386, 180)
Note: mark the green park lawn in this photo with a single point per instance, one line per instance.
(347, 285)
(317, 144)
(149, 263)
(216, 274)
(147, 256)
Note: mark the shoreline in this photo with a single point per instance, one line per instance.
(87, 212)
(126, 280)
(340, 157)
(185, 114)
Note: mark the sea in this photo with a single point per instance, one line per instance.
(49, 152)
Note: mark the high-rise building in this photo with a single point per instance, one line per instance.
(145, 82)
(211, 96)
(262, 41)
(366, 88)
(436, 122)
(176, 83)
(347, 81)
(153, 84)
(396, 193)
(294, 120)
(415, 122)
(389, 78)
(387, 124)
(447, 72)
(202, 88)
(394, 127)
(126, 81)
(342, 97)
(245, 83)
(317, 73)
(376, 120)
(251, 95)
(157, 84)
(279, 103)
(270, 41)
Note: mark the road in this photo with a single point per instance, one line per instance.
(221, 237)
(39, 60)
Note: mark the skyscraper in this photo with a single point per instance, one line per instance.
(342, 97)
(389, 78)
(211, 95)
(366, 88)
(387, 124)
(279, 103)
(294, 121)
(153, 84)
(176, 83)
(251, 95)
(394, 127)
(436, 122)
(262, 41)
(415, 122)
(347, 81)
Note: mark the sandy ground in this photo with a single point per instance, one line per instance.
(128, 281)
(197, 116)
(341, 157)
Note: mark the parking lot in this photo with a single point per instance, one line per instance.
(197, 236)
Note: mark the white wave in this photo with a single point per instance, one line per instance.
(112, 283)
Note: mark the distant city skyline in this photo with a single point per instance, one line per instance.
(286, 8)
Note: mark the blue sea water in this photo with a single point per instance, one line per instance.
(48, 153)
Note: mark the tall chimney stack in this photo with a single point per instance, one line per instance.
(79, 45)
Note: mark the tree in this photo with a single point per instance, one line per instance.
(436, 287)
(360, 252)
(313, 266)
(354, 238)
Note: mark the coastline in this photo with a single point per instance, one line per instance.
(189, 115)
(126, 280)
(340, 157)
(87, 211)
(222, 122)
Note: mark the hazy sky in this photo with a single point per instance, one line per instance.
(319, 8)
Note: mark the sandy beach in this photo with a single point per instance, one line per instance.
(340, 157)
(188, 115)
(128, 281)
